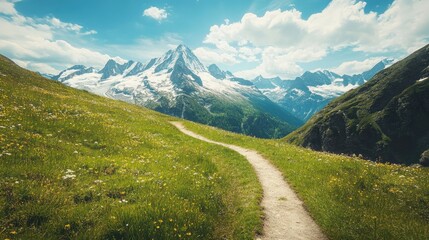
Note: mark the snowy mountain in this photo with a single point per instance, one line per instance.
(178, 84)
(216, 72)
(73, 71)
(307, 94)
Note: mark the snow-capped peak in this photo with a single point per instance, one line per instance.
(181, 55)
(113, 68)
(119, 60)
(182, 48)
(218, 73)
(73, 71)
(77, 67)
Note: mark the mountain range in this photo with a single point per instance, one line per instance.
(306, 95)
(178, 84)
(385, 119)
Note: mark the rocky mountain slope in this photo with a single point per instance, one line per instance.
(179, 84)
(386, 119)
(309, 93)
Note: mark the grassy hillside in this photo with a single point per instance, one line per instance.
(348, 197)
(74, 165)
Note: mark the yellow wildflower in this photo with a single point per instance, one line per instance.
(67, 227)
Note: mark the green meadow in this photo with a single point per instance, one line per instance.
(77, 166)
(349, 198)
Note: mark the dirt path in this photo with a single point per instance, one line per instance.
(285, 216)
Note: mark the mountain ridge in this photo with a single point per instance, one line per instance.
(310, 92)
(148, 85)
(386, 119)
(178, 84)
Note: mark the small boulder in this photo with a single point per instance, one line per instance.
(424, 159)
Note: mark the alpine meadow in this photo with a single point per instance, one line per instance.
(203, 119)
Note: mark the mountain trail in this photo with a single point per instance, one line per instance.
(285, 215)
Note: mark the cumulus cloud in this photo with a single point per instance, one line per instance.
(249, 54)
(404, 26)
(58, 24)
(33, 42)
(208, 56)
(143, 49)
(7, 7)
(39, 67)
(282, 62)
(356, 67)
(273, 64)
(158, 14)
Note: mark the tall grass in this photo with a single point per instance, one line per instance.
(349, 198)
(77, 166)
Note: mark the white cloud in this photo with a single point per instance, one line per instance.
(7, 7)
(227, 55)
(282, 62)
(158, 14)
(209, 56)
(58, 24)
(249, 54)
(273, 65)
(356, 67)
(404, 26)
(39, 67)
(144, 49)
(34, 42)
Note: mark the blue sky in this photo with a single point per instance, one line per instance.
(278, 37)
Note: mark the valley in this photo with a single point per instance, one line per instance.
(214, 120)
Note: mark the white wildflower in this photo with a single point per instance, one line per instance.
(69, 176)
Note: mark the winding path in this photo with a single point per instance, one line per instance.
(285, 216)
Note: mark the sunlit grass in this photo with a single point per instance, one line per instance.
(349, 198)
(77, 166)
